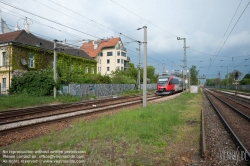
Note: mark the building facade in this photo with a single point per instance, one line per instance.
(23, 51)
(110, 54)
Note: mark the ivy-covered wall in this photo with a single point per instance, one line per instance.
(44, 58)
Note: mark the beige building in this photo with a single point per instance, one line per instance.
(110, 54)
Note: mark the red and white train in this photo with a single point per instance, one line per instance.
(168, 84)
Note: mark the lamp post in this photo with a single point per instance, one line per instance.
(144, 101)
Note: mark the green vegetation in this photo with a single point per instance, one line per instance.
(193, 75)
(35, 83)
(160, 134)
(131, 92)
(245, 80)
(229, 79)
(130, 76)
(25, 100)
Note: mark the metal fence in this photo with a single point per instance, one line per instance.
(98, 90)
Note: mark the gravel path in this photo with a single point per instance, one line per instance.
(218, 140)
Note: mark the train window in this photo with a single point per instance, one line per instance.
(176, 81)
(163, 79)
(171, 82)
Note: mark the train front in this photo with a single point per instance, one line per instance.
(162, 85)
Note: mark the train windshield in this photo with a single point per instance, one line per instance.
(162, 80)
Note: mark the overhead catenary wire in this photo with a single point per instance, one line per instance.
(49, 26)
(228, 26)
(229, 34)
(46, 19)
(62, 24)
(143, 18)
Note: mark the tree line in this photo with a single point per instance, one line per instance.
(228, 80)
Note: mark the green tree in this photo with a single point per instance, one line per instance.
(128, 76)
(193, 75)
(245, 80)
(230, 76)
(210, 82)
(151, 76)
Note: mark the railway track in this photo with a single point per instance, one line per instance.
(234, 119)
(50, 109)
(92, 107)
(241, 99)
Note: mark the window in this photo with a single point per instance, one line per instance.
(118, 53)
(31, 61)
(121, 68)
(122, 61)
(86, 69)
(109, 53)
(124, 54)
(99, 68)
(92, 70)
(118, 60)
(3, 84)
(4, 59)
(107, 68)
(99, 61)
(100, 54)
(108, 61)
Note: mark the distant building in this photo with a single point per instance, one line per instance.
(21, 50)
(110, 54)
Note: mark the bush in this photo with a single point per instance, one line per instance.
(123, 79)
(35, 83)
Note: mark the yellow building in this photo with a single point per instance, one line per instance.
(23, 51)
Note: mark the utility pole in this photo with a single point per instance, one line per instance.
(219, 80)
(144, 103)
(184, 60)
(163, 67)
(55, 76)
(139, 73)
(227, 78)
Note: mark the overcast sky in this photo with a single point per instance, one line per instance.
(214, 43)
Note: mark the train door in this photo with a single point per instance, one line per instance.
(171, 85)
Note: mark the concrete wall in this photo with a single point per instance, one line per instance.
(99, 89)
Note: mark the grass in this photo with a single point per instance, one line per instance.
(24, 100)
(155, 135)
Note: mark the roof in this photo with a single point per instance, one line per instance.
(23, 37)
(89, 47)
